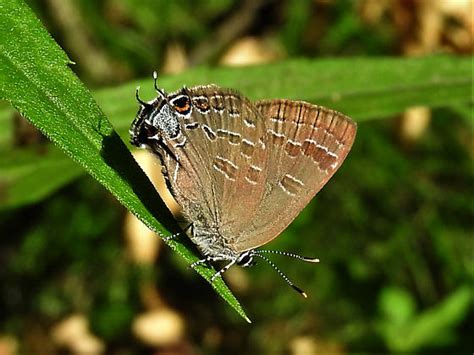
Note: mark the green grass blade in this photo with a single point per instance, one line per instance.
(35, 78)
(379, 87)
(28, 176)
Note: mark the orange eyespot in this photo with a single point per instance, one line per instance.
(182, 104)
(182, 108)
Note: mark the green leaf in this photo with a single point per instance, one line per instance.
(29, 176)
(363, 88)
(379, 87)
(35, 78)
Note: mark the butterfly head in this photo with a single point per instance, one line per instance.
(142, 130)
(157, 120)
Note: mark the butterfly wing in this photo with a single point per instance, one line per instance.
(306, 145)
(218, 178)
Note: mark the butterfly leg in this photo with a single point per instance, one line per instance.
(207, 259)
(199, 262)
(224, 269)
(174, 236)
(170, 237)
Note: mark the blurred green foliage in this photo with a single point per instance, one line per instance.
(393, 228)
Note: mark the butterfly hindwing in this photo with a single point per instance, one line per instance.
(306, 145)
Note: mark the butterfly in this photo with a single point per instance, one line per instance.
(241, 171)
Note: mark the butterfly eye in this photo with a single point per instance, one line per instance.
(182, 104)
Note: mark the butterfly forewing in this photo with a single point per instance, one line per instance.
(306, 144)
(221, 173)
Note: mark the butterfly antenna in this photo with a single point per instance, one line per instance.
(158, 90)
(296, 288)
(296, 256)
(137, 95)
